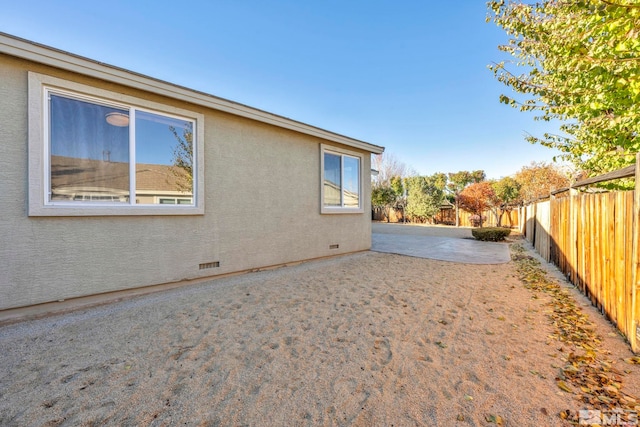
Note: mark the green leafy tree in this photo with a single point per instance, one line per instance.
(539, 180)
(383, 197)
(440, 180)
(580, 63)
(458, 181)
(398, 187)
(507, 191)
(424, 196)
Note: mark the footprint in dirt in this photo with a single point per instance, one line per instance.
(381, 353)
(349, 398)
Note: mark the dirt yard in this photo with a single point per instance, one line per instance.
(365, 339)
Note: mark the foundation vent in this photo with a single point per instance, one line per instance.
(209, 265)
(334, 246)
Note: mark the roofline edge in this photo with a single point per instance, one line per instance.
(26, 49)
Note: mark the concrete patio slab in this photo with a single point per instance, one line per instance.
(433, 244)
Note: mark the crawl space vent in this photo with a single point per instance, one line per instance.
(209, 265)
(334, 246)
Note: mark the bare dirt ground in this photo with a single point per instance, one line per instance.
(364, 339)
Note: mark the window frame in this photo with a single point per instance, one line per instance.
(39, 157)
(330, 149)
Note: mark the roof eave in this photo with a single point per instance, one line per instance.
(39, 53)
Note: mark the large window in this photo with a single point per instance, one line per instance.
(105, 155)
(341, 189)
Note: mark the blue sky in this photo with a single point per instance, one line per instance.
(408, 75)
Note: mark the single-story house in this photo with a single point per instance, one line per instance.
(112, 180)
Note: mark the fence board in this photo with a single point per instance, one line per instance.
(609, 205)
(619, 260)
(590, 238)
(608, 273)
(447, 216)
(634, 335)
(573, 212)
(542, 225)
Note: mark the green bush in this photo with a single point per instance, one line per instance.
(491, 234)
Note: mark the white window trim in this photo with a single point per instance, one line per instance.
(38, 152)
(324, 148)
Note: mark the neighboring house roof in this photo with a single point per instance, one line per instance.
(74, 173)
(36, 52)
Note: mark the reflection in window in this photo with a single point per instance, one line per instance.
(174, 201)
(341, 181)
(90, 161)
(164, 159)
(89, 156)
(351, 191)
(332, 180)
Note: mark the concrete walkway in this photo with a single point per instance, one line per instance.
(437, 242)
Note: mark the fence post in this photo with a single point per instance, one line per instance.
(634, 333)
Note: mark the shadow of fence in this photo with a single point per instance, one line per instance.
(593, 238)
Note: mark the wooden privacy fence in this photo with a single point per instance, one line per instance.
(593, 238)
(447, 216)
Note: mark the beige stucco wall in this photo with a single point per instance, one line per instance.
(262, 208)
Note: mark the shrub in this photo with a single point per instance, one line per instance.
(475, 220)
(491, 234)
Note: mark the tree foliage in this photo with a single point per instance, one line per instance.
(581, 64)
(539, 180)
(424, 196)
(507, 191)
(388, 167)
(477, 198)
(456, 182)
(383, 197)
(397, 185)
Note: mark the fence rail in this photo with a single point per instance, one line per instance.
(593, 238)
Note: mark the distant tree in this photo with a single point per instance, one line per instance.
(478, 198)
(539, 180)
(507, 191)
(388, 166)
(398, 187)
(440, 180)
(424, 197)
(458, 181)
(383, 197)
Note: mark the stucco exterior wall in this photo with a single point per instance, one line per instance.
(262, 208)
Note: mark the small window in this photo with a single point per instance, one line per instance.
(341, 184)
(110, 155)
